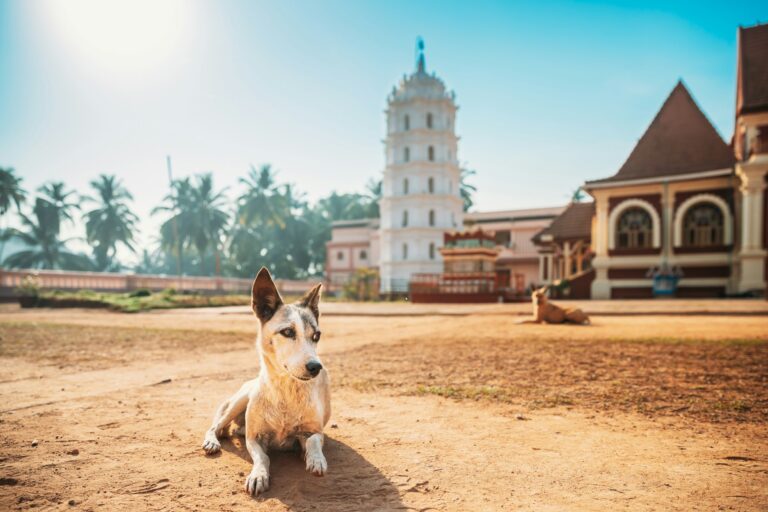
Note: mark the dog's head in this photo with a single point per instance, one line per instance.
(289, 332)
(540, 296)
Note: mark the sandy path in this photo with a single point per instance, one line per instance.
(137, 443)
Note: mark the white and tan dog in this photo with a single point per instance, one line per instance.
(290, 400)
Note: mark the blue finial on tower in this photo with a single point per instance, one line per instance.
(420, 64)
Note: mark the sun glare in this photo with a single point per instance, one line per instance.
(120, 36)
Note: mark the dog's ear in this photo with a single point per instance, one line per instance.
(265, 299)
(311, 300)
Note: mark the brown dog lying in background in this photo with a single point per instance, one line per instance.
(546, 312)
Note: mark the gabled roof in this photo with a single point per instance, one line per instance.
(752, 74)
(574, 223)
(679, 140)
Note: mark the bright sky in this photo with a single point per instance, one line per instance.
(550, 93)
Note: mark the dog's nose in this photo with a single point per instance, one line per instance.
(313, 367)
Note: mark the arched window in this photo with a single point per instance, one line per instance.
(363, 255)
(407, 122)
(429, 120)
(431, 153)
(431, 217)
(431, 250)
(431, 185)
(703, 226)
(407, 154)
(405, 251)
(634, 230)
(405, 186)
(405, 218)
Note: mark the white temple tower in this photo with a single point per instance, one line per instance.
(420, 196)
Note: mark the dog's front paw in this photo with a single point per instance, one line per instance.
(257, 482)
(211, 444)
(316, 464)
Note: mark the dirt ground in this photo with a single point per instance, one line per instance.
(106, 411)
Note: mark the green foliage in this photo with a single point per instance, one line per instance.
(270, 224)
(29, 287)
(466, 189)
(111, 223)
(59, 202)
(196, 220)
(40, 234)
(362, 286)
(10, 190)
(127, 303)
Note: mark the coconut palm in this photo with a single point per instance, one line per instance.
(373, 197)
(197, 219)
(56, 198)
(578, 195)
(261, 202)
(10, 190)
(207, 219)
(466, 189)
(111, 223)
(41, 237)
(175, 230)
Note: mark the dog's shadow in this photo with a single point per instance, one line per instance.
(352, 483)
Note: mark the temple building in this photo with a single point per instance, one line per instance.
(684, 215)
(420, 189)
(685, 203)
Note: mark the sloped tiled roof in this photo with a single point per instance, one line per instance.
(574, 223)
(752, 94)
(679, 140)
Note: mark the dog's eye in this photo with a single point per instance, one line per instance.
(316, 336)
(288, 332)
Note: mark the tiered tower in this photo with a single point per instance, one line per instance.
(421, 197)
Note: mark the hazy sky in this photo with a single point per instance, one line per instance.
(550, 93)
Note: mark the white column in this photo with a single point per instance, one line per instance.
(550, 268)
(601, 286)
(667, 215)
(752, 254)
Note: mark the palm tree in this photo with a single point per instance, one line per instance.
(174, 231)
(111, 223)
(343, 206)
(44, 249)
(577, 196)
(260, 203)
(466, 189)
(56, 198)
(197, 219)
(10, 193)
(207, 219)
(10, 190)
(373, 197)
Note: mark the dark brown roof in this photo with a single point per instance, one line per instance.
(574, 223)
(679, 140)
(752, 75)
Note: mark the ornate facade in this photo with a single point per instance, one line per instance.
(685, 204)
(420, 190)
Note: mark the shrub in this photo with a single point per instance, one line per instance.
(141, 292)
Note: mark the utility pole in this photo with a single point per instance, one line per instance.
(175, 224)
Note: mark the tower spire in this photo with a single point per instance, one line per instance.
(420, 64)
